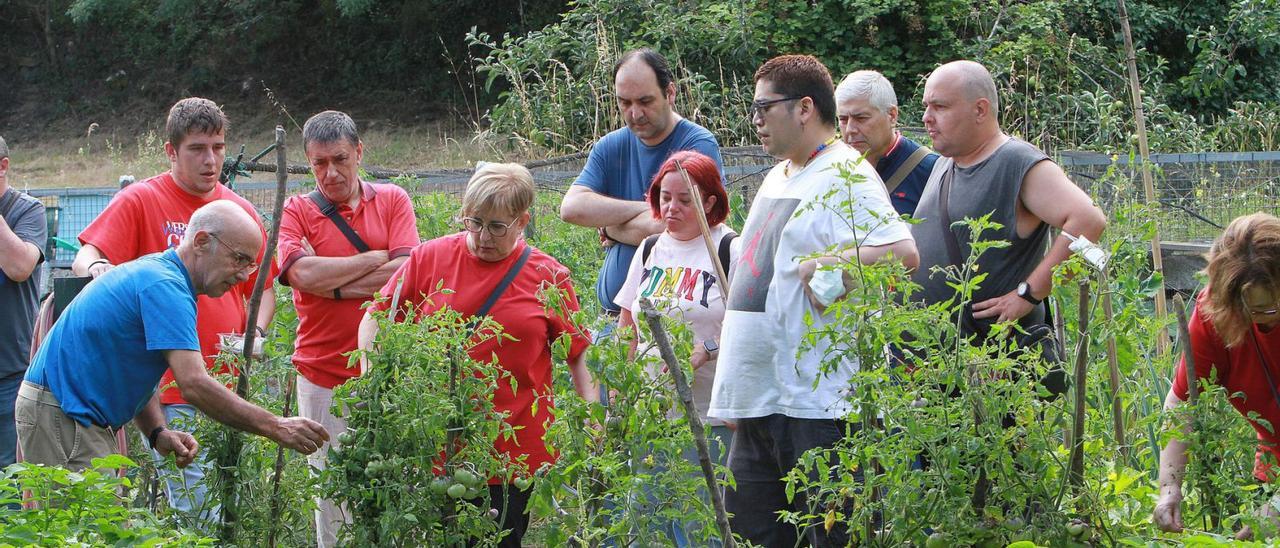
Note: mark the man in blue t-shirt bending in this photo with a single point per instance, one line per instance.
(867, 112)
(100, 365)
(609, 193)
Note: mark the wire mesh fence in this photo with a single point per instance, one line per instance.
(1200, 193)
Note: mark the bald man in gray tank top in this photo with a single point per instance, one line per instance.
(993, 173)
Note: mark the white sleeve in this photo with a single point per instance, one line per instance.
(874, 221)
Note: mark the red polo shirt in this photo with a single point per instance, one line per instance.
(529, 327)
(151, 216)
(384, 219)
(1239, 371)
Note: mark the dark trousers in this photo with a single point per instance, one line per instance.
(764, 451)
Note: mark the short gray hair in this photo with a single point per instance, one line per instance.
(4, 149)
(328, 127)
(867, 84)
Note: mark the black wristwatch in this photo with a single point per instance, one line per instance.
(1024, 291)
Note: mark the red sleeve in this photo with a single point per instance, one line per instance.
(115, 231)
(402, 229)
(409, 292)
(1209, 352)
(289, 244)
(272, 269)
(562, 321)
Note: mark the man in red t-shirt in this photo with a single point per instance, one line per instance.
(333, 272)
(150, 217)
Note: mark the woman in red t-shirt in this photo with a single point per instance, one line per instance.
(472, 263)
(1235, 341)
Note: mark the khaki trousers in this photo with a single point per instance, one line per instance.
(46, 435)
(314, 402)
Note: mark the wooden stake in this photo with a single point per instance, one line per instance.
(1148, 187)
(228, 465)
(1113, 367)
(721, 278)
(1076, 467)
(279, 467)
(685, 393)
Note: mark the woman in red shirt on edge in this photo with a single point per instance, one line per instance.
(472, 263)
(1233, 331)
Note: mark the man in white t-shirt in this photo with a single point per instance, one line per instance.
(761, 382)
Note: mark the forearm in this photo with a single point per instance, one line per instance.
(87, 255)
(365, 286)
(18, 257)
(150, 416)
(266, 309)
(322, 275)
(584, 207)
(583, 382)
(1173, 465)
(636, 229)
(222, 405)
(366, 333)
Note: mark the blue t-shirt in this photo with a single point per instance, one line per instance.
(104, 356)
(907, 194)
(621, 166)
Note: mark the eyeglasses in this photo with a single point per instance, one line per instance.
(1274, 310)
(496, 229)
(761, 107)
(243, 260)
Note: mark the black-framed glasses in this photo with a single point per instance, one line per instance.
(495, 228)
(243, 260)
(762, 106)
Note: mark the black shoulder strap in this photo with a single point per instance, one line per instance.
(506, 281)
(6, 203)
(331, 211)
(646, 247)
(944, 211)
(905, 169)
(723, 252)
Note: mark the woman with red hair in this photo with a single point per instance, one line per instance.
(674, 270)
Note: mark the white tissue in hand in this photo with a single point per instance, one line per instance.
(827, 286)
(1092, 254)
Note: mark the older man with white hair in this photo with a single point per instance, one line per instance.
(867, 112)
(100, 366)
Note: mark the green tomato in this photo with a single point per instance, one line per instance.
(937, 540)
(523, 483)
(1077, 528)
(345, 438)
(457, 490)
(439, 486)
(465, 477)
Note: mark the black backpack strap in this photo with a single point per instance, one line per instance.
(506, 282)
(646, 247)
(723, 252)
(944, 210)
(331, 211)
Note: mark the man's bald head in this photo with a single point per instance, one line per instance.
(226, 219)
(972, 79)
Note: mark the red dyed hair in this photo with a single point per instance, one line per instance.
(702, 170)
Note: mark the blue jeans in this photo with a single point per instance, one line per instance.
(719, 439)
(187, 490)
(8, 430)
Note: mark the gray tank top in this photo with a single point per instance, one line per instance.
(991, 186)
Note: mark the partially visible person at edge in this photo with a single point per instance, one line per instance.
(783, 402)
(332, 278)
(867, 112)
(472, 263)
(1006, 177)
(610, 192)
(151, 216)
(100, 365)
(23, 235)
(679, 277)
(1235, 344)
